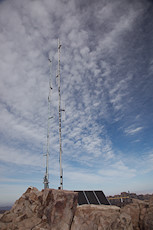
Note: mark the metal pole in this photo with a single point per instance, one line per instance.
(46, 177)
(60, 135)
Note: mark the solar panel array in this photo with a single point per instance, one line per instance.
(92, 197)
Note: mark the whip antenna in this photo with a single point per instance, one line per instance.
(46, 177)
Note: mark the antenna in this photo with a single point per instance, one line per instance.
(60, 135)
(46, 177)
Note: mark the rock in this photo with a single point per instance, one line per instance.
(52, 209)
(61, 210)
(148, 219)
(141, 214)
(48, 209)
(100, 217)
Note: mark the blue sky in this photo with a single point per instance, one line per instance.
(106, 88)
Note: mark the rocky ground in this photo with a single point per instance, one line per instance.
(52, 209)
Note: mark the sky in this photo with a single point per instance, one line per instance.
(106, 92)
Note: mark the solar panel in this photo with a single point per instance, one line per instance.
(102, 198)
(92, 197)
(82, 198)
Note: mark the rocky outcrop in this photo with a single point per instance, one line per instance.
(52, 209)
(136, 210)
(48, 209)
(148, 220)
(141, 213)
(100, 217)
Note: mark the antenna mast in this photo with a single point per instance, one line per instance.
(60, 135)
(46, 177)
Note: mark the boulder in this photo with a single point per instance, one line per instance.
(148, 219)
(100, 217)
(141, 213)
(48, 209)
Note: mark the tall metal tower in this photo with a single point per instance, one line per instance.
(46, 177)
(59, 109)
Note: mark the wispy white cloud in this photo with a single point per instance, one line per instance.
(147, 163)
(118, 170)
(19, 157)
(132, 131)
(95, 85)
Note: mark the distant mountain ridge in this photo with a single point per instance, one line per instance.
(5, 208)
